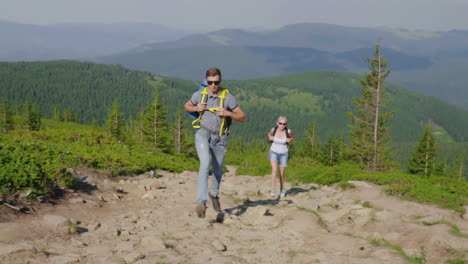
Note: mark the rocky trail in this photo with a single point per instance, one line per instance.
(146, 219)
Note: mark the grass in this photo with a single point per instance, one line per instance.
(454, 230)
(346, 185)
(367, 204)
(456, 261)
(383, 243)
(460, 257)
(443, 192)
(320, 220)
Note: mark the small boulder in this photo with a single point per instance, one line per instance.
(218, 245)
(431, 219)
(153, 243)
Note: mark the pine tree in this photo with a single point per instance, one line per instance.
(459, 167)
(182, 138)
(35, 118)
(6, 117)
(115, 122)
(155, 127)
(310, 145)
(422, 161)
(369, 135)
(31, 116)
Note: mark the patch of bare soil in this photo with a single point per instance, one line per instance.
(147, 219)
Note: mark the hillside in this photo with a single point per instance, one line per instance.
(325, 97)
(432, 63)
(255, 61)
(27, 42)
(147, 219)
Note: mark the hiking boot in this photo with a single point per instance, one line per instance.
(215, 201)
(282, 194)
(273, 194)
(200, 209)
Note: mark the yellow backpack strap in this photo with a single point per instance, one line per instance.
(222, 96)
(196, 123)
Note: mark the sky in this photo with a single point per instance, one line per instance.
(207, 15)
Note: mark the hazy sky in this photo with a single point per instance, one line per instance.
(216, 14)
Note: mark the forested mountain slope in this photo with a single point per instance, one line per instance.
(89, 89)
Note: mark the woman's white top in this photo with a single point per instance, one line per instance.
(279, 145)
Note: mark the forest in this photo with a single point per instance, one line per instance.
(63, 114)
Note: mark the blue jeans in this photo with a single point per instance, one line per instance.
(282, 159)
(211, 149)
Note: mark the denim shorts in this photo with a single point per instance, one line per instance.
(282, 159)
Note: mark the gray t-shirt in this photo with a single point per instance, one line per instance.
(209, 119)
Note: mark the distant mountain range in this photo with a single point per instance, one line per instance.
(432, 63)
(25, 42)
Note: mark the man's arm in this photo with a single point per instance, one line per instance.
(236, 114)
(190, 108)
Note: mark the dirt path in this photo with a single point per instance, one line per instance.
(152, 220)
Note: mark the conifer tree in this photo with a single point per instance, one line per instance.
(31, 116)
(182, 139)
(422, 161)
(155, 127)
(459, 170)
(35, 118)
(6, 118)
(332, 151)
(69, 115)
(310, 145)
(115, 122)
(369, 135)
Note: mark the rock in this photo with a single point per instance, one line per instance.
(256, 215)
(153, 243)
(384, 215)
(230, 219)
(361, 184)
(63, 260)
(465, 215)
(95, 226)
(11, 248)
(57, 222)
(361, 211)
(432, 219)
(218, 245)
(392, 237)
(77, 242)
(150, 195)
(76, 200)
(133, 257)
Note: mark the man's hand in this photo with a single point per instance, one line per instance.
(201, 107)
(223, 112)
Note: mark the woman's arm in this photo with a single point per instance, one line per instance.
(291, 136)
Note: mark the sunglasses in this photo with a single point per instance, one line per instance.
(213, 82)
(283, 124)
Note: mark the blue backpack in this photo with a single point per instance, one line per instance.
(202, 86)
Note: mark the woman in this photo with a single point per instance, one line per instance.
(280, 136)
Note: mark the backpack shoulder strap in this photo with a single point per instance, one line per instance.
(204, 93)
(274, 130)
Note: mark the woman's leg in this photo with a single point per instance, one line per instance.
(282, 177)
(274, 165)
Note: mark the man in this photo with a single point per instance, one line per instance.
(212, 135)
